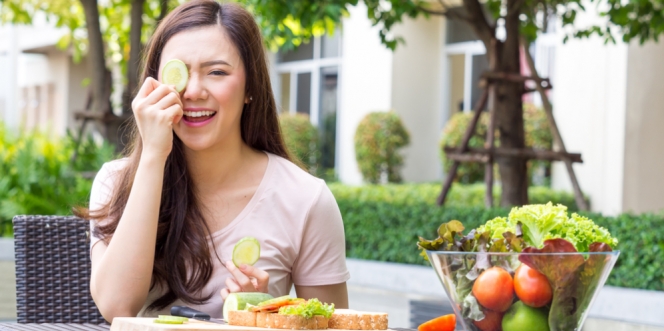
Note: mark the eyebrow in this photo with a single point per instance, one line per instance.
(214, 62)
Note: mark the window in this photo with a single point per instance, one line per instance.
(466, 62)
(307, 83)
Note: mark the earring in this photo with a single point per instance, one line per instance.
(251, 98)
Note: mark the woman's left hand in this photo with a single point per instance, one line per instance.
(245, 279)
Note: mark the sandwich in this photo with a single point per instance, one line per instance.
(284, 313)
(299, 314)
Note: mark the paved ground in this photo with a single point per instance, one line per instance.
(396, 304)
(7, 291)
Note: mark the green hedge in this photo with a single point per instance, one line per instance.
(461, 195)
(388, 230)
(37, 175)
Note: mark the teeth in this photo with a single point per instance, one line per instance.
(198, 113)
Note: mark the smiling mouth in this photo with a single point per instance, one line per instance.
(198, 116)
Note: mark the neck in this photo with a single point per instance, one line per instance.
(217, 166)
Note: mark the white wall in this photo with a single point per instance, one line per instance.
(644, 151)
(589, 106)
(417, 94)
(365, 85)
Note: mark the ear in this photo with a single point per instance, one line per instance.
(248, 99)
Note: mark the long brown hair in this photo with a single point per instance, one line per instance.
(183, 262)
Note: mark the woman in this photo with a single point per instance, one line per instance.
(206, 168)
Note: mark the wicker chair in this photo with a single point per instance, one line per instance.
(53, 270)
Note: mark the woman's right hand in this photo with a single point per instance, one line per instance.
(156, 108)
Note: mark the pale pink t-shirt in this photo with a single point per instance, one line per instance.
(293, 215)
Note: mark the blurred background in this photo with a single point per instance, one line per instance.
(370, 93)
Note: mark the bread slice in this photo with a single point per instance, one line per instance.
(241, 318)
(347, 319)
(290, 322)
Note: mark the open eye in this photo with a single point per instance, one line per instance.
(218, 73)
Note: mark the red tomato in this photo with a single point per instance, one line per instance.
(532, 287)
(492, 321)
(442, 323)
(494, 289)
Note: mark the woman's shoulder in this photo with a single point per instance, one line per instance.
(110, 169)
(287, 172)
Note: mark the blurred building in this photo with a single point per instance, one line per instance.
(40, 84)
(608, 99)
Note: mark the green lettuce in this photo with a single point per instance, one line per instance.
(308, 309)
(537, 223)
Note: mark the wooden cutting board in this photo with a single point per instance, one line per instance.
(148, 324)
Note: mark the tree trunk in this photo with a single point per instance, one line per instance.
(509, 114)
(504, 57)
(135, 47)
(100, 77)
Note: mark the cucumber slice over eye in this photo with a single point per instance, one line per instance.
(246, 251)
(175, 73)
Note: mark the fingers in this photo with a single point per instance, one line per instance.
(260, 277)
(173, 113)
(232, 285)
(149, 85)
(248, 278)
(160, 93)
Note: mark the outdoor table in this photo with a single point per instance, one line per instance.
(79, 327)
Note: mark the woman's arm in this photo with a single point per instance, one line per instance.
(122, 271)
(337, 294)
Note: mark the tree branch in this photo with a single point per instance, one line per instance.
(478, 22)
(446, 12)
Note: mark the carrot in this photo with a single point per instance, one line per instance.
(442, 323)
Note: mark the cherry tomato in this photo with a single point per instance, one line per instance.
(532, 287)
(442, 323)
(492, 321)
(494, 289)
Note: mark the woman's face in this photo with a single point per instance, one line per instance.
(214, 96)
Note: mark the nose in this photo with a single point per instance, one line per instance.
(195, 89)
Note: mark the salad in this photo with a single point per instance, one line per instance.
(533, 270)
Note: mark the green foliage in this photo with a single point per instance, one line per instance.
(287, 24)
(38, 177)
(383, 223)
(378, 138)
(301, 138)
(536, 127)
(461, 195)
(113, 19)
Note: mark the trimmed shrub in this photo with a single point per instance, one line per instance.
(384, 225)
(301, 138)
(37, 175)
(461, 195)
(378, 138)
(538, 136)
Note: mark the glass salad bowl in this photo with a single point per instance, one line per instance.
(533, 291)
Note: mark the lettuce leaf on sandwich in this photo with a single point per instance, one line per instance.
(308, 309)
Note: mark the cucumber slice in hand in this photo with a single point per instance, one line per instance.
(175, 73)
(246, 251)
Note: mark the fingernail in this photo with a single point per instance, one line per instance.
(243, 267)
(230, 265)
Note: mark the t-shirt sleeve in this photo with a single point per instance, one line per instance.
(322, 255)
(100, 195)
